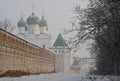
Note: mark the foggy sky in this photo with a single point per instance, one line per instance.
(58, 13)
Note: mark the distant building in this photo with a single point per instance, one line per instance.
(82, 65)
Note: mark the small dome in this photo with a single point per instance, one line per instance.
(33, 19)
(21, 23)
(42, 22)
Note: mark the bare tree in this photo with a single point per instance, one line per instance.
(6, 25)
(100, 21)
(87, 23)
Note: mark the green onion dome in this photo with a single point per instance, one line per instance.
(21, 23)
(42, 22)
(33, 19)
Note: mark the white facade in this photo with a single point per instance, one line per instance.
(22, 30)
(33, 29)
(42, 40)
(62, 63)
(43, 29)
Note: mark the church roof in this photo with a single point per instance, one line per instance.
(43, 22)
(75, 63)
(33, 19)
(21, 23)
(60, 41)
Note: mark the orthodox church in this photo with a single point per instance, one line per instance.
(35, 31)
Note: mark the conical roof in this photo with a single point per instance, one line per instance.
(60, 41)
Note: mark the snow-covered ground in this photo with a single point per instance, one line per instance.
(62, 77)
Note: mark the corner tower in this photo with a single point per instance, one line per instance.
(62, 51)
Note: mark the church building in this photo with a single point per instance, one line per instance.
(35, 31)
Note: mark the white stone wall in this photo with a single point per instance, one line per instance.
(22, 30)
(67, 57)
(45, 39)
(39, 40)
(30, 29)
(62, 63)
(36, 29)
(43, 29)
(33, 29)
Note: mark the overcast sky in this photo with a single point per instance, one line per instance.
(58, 13)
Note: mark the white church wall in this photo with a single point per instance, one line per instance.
(45, 39)
(43, 29)
(36, 29)
(39, 40)
(22, 30)
(30, 29)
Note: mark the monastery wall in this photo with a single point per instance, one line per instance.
(17, 54)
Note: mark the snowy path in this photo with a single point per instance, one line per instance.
(44, 77)
(61, 77)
